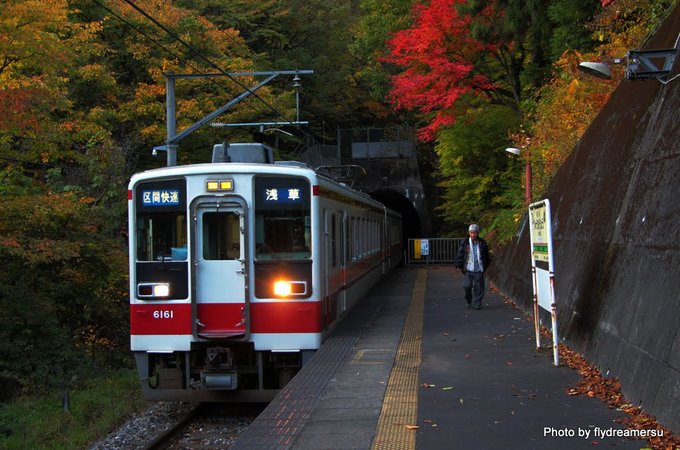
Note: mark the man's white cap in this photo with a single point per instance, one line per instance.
(474, 227)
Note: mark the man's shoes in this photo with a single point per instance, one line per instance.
(478, 308)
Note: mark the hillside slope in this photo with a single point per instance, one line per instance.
(616, 228)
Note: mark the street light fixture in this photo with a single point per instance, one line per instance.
(527, 173)
(640, 65)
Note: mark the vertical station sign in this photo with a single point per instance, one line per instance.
(543, 268)
(425, 247)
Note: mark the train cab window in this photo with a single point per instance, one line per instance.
(221, 236)
(161, 221)
(161, 236)
(283, 228)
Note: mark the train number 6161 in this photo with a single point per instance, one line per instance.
(164, 314)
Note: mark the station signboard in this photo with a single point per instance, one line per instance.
(542, 268)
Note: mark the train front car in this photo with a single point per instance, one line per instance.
(222, 305)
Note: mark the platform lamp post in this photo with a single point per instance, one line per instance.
(527, 173)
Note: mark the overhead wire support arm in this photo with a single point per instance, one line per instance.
(173, 137)
(244, 74)
(172, 148)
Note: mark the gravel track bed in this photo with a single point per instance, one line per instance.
(218, 429)
(141, 429)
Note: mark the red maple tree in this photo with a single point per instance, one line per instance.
(437, 54)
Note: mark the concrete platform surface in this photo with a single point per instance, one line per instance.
(411, 367)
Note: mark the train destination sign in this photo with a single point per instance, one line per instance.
(160, 197)
(282, 195)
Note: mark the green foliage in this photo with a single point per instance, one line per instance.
(477, 173)
(378, 21)
(63, 287)
(95, 409)
(569, 17)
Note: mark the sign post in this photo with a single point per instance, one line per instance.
(543, 269)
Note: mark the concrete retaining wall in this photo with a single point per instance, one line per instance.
(616, 228)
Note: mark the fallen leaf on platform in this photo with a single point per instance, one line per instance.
(446, 334)
(426, 385)
(461, 400)
(509, 363)
(447, 388)
(467, 356)
(411, 427)
(609, 391)
(427, 421)
(594, 384)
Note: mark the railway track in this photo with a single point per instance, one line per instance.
(207, 426)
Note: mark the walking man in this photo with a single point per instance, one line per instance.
(473, 260)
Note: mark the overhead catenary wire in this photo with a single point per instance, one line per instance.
(198, 71)
(160, 45)
(197, 53)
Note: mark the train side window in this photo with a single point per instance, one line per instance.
(362, 237)
(221, 236)
(348, 239)
(334, 253)
(356, 233)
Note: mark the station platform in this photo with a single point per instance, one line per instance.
(411, 367)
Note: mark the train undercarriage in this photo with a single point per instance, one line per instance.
(218, 372)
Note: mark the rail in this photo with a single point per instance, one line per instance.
(432, 250)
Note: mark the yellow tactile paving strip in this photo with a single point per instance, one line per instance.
(400, 407)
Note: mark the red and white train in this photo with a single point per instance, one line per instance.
(238, 271)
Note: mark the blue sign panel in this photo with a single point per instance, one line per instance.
(281, 192)
(160, 197)
(282, 195)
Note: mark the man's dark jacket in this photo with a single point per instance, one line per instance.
(464, 251)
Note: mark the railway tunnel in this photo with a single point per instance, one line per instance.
(386, 168)
(398, 202)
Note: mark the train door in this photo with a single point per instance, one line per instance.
(220, 295)
(325, 266)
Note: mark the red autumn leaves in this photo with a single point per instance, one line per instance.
(436, 54)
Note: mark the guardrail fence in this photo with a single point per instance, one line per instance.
(432, 250)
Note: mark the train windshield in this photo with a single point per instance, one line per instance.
(161, 237)
(282, 218)
(161, 222)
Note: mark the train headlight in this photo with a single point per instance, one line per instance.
(285, 288)
(161, 290)
(282, 289)
(153, 290)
